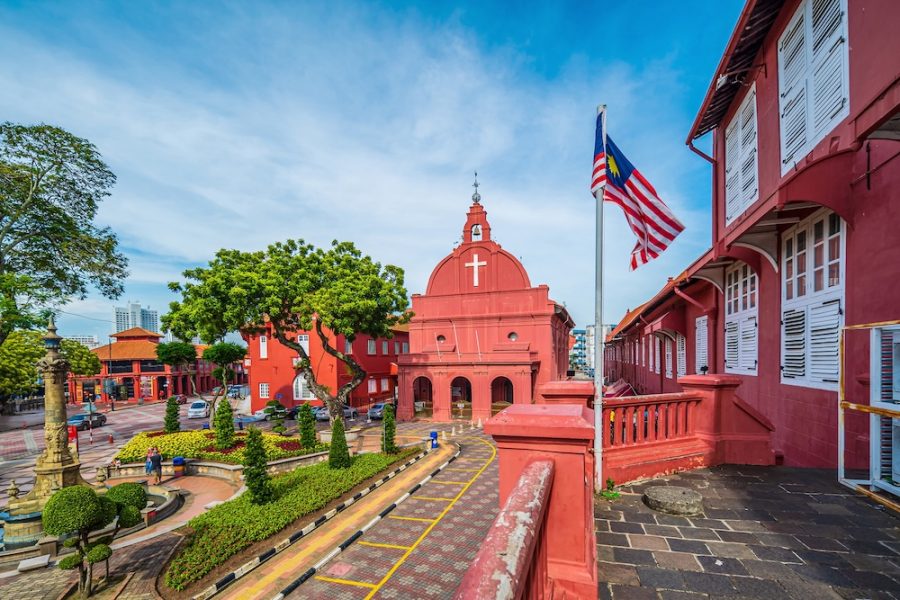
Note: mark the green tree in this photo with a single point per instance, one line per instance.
(171, 422)
(388, 443)
(223, 355)
(294, 287)
(255, 475)
(307, 426)
(338, 453)
(22, 350)
(224, 424)
(180, 356)
(51, 186)
(276, 410)
(78, 511)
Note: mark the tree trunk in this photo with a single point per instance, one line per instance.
(89, 582)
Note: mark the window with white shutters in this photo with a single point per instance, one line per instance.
(370, 347)
(643, 354)
(650, 354)
(384, 384)
(741, 169)
(303, 340)
(741, 319)
(701, 335)
(681, 355)
(301, 389)
(669, 358)
(812, 301)
(384, 347)
(263, 346)
(657, 343)
(813, 79)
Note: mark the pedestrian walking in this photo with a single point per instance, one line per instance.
(156, 464)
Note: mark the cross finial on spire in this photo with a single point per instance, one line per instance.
(476, 197)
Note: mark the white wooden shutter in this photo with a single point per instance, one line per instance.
(732, 345)
(748, 358)
(669, 358)
(657, 350)
(747, 118)
(824, 333)
(828, 49)
(793, 66)
(700, 347)
(263, 347)
(732, 171)
(650, 353)
(793, 360)
(681, 355)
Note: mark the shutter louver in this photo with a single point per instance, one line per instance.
(669, 358)
(827, 63)
(700, 338)
(794, 340)
(748, 358)
(681, 355)
(732, 347)
(732, 171)
(792, 58)
(824, 333)
(748, 190)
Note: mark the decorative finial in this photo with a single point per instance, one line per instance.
(51, 340)
(476, 197)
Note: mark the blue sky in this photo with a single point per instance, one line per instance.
(240, 124)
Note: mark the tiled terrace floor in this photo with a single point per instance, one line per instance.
(766, 533)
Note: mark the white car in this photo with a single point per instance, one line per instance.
(198, 409)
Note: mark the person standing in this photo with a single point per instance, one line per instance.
(156, 465)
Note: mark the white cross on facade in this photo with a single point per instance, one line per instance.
(475, 264)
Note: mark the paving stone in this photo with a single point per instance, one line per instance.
(871, 579)
(672, 520)
(663, 530)
(708, 523)
(603, 591)
(698, 533)
(822, 573)
(868, 594)
(612, 539)
(741, 537)
(864, 562)
(752, 587)
(626, 527)
(730, 550)
(638, 517)
(780, 540)
(808, 590)
(617, 573)
(708, 583)
(679, 595)
(777, 554)
(677, 560)
(627, 592)
(648, 542)
(633, 557)
(820, 543)
(31, 564)
(728, 566)
(660, 578)
(691, 546)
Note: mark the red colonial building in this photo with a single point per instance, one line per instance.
(273, 376)
(132, 364)
(481, 335)
(804, 113)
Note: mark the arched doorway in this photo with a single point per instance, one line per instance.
(461, 398)
(501, 394)
(422, 397)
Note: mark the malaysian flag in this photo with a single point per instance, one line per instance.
(649, 218)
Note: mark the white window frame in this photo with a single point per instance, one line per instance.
(650, 345)
(680, 355)
(348, 347)
(405, 347)
(643, 354)
(385, 385)
(373, 385)
(263, 346)
(821, 310)
(741, 319)
(701, 351)
(668, 357)
(741, 159)
(301, 388)
(303, 341)
(371, 347)
(263, 391)
(396, 347)
(800, 93)
(657, 351)
(385, 347)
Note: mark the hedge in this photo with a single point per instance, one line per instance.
(223, 531)
(201, 444)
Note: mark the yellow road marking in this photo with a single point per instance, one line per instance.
(377, 545)
(450, 482)
(428, 529)
(411, 519)
(430, 498)
(345, 581)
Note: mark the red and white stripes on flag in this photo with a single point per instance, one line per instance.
(648, 216)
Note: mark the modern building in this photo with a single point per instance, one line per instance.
(88, 340)
(804, 114)
(273, 375)
(481, 336)
(578, 353)
(131, 365)
(134, 315)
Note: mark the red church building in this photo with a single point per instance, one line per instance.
(273, 376)
(481, 335)
(804, 113)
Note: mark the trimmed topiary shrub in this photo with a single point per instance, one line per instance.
(224, 424)
(338, 453)
(128, 494)
(171, 422)
(307, 426)
(255, 475)
(388, 444)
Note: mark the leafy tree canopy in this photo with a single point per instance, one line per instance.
(51, 185)
(21, 352)
(176, 354)
(293, 286)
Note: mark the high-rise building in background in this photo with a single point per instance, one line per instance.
(88, 340)
(134, 315)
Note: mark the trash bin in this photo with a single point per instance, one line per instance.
(433, 435)
(178, 466)
(206, 425)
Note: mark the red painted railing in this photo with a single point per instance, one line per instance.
(512, 562)
(643, 419)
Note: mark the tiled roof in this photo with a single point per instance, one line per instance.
(127, 350)
(136, 332)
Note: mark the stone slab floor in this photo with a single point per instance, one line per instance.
(767, 532)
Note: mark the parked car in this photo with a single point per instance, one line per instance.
(349, 413)
(321, 413)
(198, 409)
(84, 420)
(275, 410)
(376, 411)
(180, 398)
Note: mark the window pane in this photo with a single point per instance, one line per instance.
(834, 224)
(819, 255)
(801, 263)
(819, 231)
(801, 285)
(789, 269)
(789, 289)
(789, 248)
(801, 241)
(834, 274)
(834, 248)
(819, 279)
(753, 291)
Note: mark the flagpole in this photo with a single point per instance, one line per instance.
(599, 338)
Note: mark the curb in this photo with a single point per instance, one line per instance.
(222, 583)
(349, 541)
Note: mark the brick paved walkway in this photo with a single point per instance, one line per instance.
(429, 557)
(767, 533)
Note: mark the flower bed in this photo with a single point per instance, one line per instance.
(225, 530)
(197, 444)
